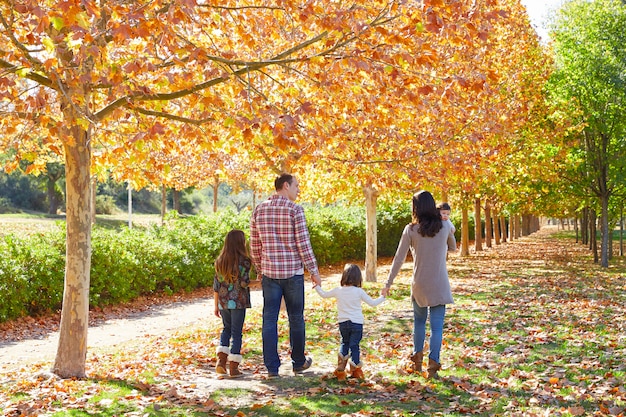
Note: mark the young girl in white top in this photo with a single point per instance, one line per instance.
(350, 316)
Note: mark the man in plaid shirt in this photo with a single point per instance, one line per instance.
(280, 249)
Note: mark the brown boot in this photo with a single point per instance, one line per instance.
(356, 371)
(433, 367)
(222, 358)
(340, 371)
(417, 359)
(234, 361)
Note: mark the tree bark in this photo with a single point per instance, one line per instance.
(488, 228)
(216, 186)
(478, 239)
(503, 228)
(496, 228)
(72, 348)
(621, 230)
(584, 226)
(53, 204)
(371, 248)
(163, 203)
(464, 232)
(593, 238)
(512, 226)
(604, 232)
(176, 200)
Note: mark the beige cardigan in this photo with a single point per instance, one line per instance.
(430, 285)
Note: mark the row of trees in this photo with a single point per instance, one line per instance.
(374, 99)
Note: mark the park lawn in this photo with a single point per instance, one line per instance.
(536, 329)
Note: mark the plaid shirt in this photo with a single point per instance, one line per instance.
(280, 246)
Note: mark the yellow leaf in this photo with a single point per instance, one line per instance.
(57, 22)
(47, 42)
(83, 20)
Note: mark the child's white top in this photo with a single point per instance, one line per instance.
(349, 300)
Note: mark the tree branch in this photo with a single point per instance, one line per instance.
(169, 116)
(33, 76)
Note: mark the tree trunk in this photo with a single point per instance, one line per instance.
(464, 232)
(371, 249)
(163, 203)
(176, 199)
(488, 228)
(216, 186)
(584, 226)
(512, 226)
(72, 349)
(478, 230)
(621, 230)
(94, 189)
(503, 228)
(593, 238)
(496, 227)
(53, 203)
(604, 232)
(526, 224)
(576, 228)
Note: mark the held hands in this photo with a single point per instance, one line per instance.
(385, 292)
(316, 280)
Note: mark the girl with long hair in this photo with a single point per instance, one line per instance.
(231, 288)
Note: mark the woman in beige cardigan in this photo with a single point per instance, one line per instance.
(429, 240)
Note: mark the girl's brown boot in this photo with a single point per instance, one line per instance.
(340, 371)
(433, 367)
(234, 361)
(222, 358)
(417, 359)
(356, 371)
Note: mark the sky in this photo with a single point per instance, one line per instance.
(538, 11)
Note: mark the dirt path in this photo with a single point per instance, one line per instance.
(152, 321)
(118, 327)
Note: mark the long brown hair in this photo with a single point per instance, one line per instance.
(227, 263)
(426, 214)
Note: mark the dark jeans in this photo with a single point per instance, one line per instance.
(274, 290)
(233, 328)
(351, 335)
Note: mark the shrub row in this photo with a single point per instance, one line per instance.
(175, 257)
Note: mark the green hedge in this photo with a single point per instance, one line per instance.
(178, 256)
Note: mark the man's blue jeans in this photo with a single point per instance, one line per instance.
(437, 315)
(232, 319)
(274, 290)
(351, 335)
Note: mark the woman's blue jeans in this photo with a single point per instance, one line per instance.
(233, 327)
(274, 290)
(351, 335)
(437, 315)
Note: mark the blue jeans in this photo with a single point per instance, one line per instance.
(420, 314)
(274, 290)
(233, 328)
(351, 335)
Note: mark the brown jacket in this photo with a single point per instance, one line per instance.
(430, 285)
